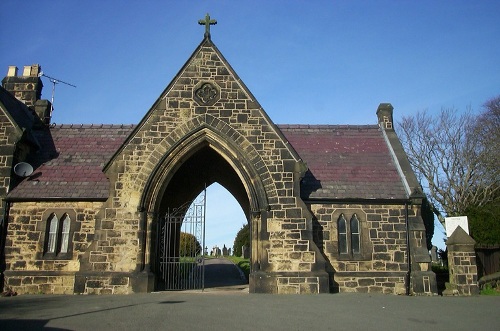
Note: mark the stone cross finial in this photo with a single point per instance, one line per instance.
(207, 22)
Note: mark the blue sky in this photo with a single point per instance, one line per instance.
(328, 62)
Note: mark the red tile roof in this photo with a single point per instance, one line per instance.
(70, 164)
(345, 162)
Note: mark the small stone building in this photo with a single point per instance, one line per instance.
(331, 207)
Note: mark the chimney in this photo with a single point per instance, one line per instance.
(26, 88)
(12, 72)
(43, 109)
(384, 114)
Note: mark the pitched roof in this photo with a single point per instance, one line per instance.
(345, 162)
(70, 163)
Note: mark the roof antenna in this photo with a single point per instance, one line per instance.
(54, 81)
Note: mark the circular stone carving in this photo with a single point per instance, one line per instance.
(206, 93)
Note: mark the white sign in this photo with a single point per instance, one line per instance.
(453, 222)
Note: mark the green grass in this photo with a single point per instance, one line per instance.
(243, 264)
(489, 290)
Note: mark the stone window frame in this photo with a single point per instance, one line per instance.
(52, 233)
(365, 246)
(60, 253)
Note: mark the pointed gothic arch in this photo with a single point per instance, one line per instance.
(209, 131)
(218, 142)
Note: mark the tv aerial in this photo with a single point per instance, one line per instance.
(54, 81)
(23, 169)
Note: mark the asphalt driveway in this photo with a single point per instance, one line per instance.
(238, 310)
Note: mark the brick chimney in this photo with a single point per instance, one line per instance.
(384, 114)
(28, 89)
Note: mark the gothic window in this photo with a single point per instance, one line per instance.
(355, 243)
(65, 233)
(349, 236)
(342, 231)
(53, 225)
(57, 236)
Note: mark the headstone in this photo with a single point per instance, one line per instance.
(215, 251)
(245, 252)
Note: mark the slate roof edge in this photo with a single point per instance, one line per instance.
(327, 126)
(400, 158)
(52, 199)
(396, 163)
(91, 126)
(356, 200)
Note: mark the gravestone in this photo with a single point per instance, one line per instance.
(216, 251)
(245, 252)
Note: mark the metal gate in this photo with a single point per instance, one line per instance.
(181, 242)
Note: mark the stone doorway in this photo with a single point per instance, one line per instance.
(196, 171)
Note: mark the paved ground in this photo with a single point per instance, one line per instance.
(236, 310)
(232, 308)
(222, 274)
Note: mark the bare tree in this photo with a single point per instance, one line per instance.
(453, 156)
(488, 136)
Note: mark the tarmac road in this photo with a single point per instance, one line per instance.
(237, 310)
(222, 273)
(232, 308)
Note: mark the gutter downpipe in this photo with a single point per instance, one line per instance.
(408, 273)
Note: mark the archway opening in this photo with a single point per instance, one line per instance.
(193, 174)
(223, 219)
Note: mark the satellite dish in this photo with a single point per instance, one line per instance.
(23, 169)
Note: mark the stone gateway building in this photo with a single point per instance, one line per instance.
(331, 208)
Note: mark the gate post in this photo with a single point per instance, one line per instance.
(461, 264)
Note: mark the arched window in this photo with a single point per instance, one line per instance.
(58, 236)
(355, 243)
(53, 225)
(349, 236)
(342, 231)
(65, 233)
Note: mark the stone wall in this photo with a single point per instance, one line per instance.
(9, 135)
(29, 268)
(239, 130)
(112, 241)
(381, 266)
